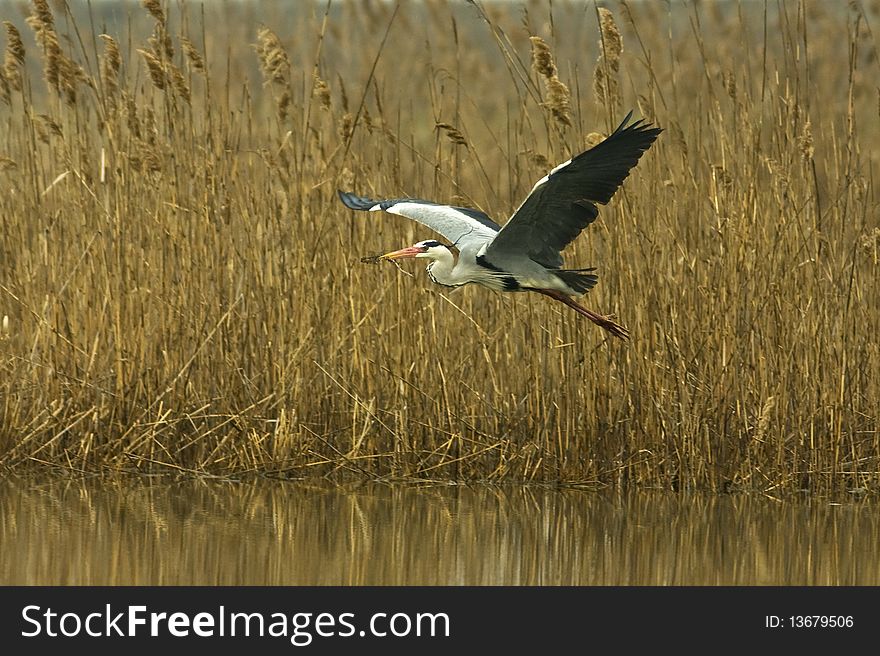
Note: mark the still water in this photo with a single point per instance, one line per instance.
(279, 533)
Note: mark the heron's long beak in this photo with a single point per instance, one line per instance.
(409, 251)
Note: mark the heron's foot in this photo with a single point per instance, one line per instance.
(613, 327)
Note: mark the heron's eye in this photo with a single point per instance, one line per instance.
(430, 244)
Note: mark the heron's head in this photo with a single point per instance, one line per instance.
(430, 248)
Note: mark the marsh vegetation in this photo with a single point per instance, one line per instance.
(182, 292)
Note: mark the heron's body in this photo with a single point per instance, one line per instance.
(473, 266)
(525, 254)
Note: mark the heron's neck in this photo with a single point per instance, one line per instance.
(442, 269)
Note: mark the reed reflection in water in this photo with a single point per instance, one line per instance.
(274, 533)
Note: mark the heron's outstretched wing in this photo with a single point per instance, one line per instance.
(460, 225)
(563, 202)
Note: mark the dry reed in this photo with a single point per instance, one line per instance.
(558, 95)
(193, 55)
(13, 56)
(181, 290)
(606, 85)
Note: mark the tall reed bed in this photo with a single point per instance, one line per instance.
(181, 291)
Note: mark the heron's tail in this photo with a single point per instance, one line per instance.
(605, 322)
(580, 280)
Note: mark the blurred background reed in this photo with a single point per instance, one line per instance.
(181, 291)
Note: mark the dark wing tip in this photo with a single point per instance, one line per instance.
(604, 167)
(355, 202)
(646, 129)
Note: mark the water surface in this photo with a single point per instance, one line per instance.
(285, 533)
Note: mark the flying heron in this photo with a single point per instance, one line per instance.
(525, 254)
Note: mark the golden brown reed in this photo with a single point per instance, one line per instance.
(178, 81)
(61, 72)
(155, 68)
(453, 134)
(13, 56)
(274, 61)
(193, 55)
(111, 62)
(558, 95)
(155, 9)
(606, 85)
(182, 292)
(321, 91)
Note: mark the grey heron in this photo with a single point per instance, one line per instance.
(525, 254)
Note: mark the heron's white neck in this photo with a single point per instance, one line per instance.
(441, 269)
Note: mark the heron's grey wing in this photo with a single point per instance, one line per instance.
(460, 225)
(563, 202)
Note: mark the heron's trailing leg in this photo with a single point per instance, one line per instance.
(612, 327)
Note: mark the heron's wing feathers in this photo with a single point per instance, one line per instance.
(563, 202)
(460, 225)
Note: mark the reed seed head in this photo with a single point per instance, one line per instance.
(178, 81)
(155, 68)
(155, 9)
(558, 96)
(542, 58)
(282, 106)
(612, 44)
(322, 92)
(274, 62)
(606, 85)
(112, 61)
(452, 133)
(805, 142)
(730, 84)
(43, 14)
(13, 58)
(131, 115)
(346, 126)
(194, 56)
(557, 102)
